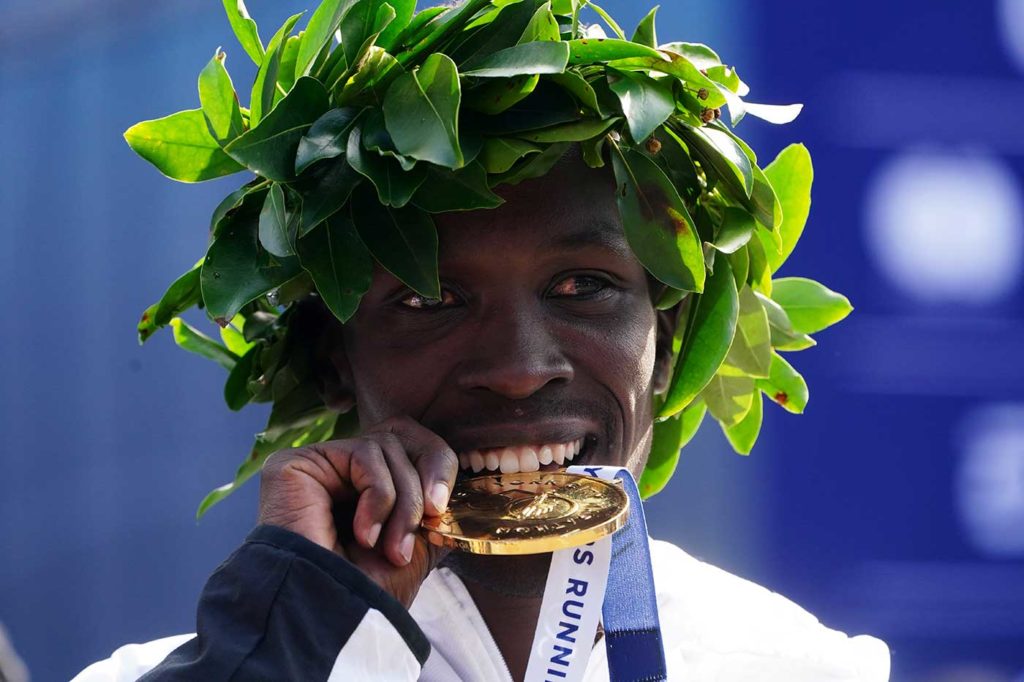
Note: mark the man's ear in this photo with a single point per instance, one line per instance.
(667, 320)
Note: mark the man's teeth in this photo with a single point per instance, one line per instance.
(512, 460)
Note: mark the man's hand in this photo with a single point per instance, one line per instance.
(364, 498)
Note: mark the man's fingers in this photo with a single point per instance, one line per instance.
(362, 463)
(399, 537)
(435, 461)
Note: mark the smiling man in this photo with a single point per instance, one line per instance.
(489, 240)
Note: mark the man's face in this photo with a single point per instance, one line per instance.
(544, 336)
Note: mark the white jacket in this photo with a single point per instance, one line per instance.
(715, 628)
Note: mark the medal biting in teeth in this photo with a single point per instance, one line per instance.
(528, 513)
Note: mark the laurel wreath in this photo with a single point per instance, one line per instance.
(376, 116)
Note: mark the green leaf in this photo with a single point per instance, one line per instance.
(675, 160)
(183, 294)
(236, 388)
(498, 95)
(374, 71)
(232, 202)
(321, 27)
(278, 224)
(705, 339)
(810, 305)
(543, 26)
(395, 186)
(524, 59)
(740, 264)
(758, 275)
(729, 398)
(762, 203)
(670, 298)
(726, 155)
(645, 33)
(339, 263)
(784, 338)
(548, 105)
(233, 338)
(580, 89)
(698, 54)
(404, 10)
(501, 153)
(576, 131)
(536, 166)
(785, 386)
(489, 33)
(286, 70)
(670, 436)
(361, 27)
(181, 147)
(327, 138)
(727, 76)
(236, 270)
(646, 102)
(463, 190)
(680, 67)
(403, 240)
(658, 227)
(264, 89)
(191, 339)
(791, 176)
(596, 50)
(736, 230)
(220, 105)
(325, 188)
(269, 149)
(743, 435)
(751, 350)
(421, 112)
(245, 29)
(616, 29)
(422, 22)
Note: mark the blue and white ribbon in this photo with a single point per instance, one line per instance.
(609, 580)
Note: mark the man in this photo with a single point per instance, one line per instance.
(424, 248)
(545, 338)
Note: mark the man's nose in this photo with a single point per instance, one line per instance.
(514, 355)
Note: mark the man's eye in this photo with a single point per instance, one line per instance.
(420, 302)
(580, 286)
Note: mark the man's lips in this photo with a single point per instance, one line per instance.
(513, 459)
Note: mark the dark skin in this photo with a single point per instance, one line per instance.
(545, 333)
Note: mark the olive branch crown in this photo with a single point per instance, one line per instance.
(376, 116)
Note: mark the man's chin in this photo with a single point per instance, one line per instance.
(511, 576)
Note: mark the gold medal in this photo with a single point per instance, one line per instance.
(528, 513)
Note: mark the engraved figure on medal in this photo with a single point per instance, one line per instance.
(528, 513)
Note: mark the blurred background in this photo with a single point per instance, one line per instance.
(894, 506)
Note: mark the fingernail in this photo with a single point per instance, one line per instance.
(406, 547)
(373, 534)
(439, 496)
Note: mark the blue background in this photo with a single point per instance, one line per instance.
(891, 507)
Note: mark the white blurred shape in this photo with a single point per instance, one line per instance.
(947, 227)
(1010, 17)
(989, 484)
